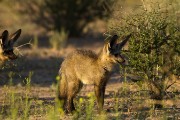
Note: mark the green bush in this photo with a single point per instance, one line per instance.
(154, 47)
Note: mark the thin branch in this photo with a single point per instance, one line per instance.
(170, 85)
(17, 48)
(29, 43)
(106, 34)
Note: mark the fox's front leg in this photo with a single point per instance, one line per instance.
(99, 92)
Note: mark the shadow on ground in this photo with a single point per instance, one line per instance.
(44, 70)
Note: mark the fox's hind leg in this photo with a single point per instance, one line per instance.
(62, 90)
(73, 88)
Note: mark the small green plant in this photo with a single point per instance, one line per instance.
(13, 106)
(35, 42)
(27, 103)
(58, 39)
(55, 112)
(90, 106)
(10, 78)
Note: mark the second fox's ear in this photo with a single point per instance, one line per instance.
(125, 39)
(5, 36)
(113, 41)
(15, 36)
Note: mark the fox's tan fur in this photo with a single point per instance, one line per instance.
(86, 67)
(2, 57)
(6, 45)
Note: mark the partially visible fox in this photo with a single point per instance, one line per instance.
(6, 45)
(86, 67)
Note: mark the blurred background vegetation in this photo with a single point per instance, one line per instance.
(42, 16)
(74, 16)
(42, 20)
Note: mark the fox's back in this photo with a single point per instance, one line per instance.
(82, 65)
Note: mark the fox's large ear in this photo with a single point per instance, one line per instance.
(111, 44)
(113, 41)
(13, 38)
(125, 39)
(4, 37)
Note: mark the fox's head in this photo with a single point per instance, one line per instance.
(112, 49)
(7, 42)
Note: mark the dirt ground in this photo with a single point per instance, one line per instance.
(44, 63)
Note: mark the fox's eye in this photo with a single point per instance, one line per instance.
(116, 55)
(8, 52)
